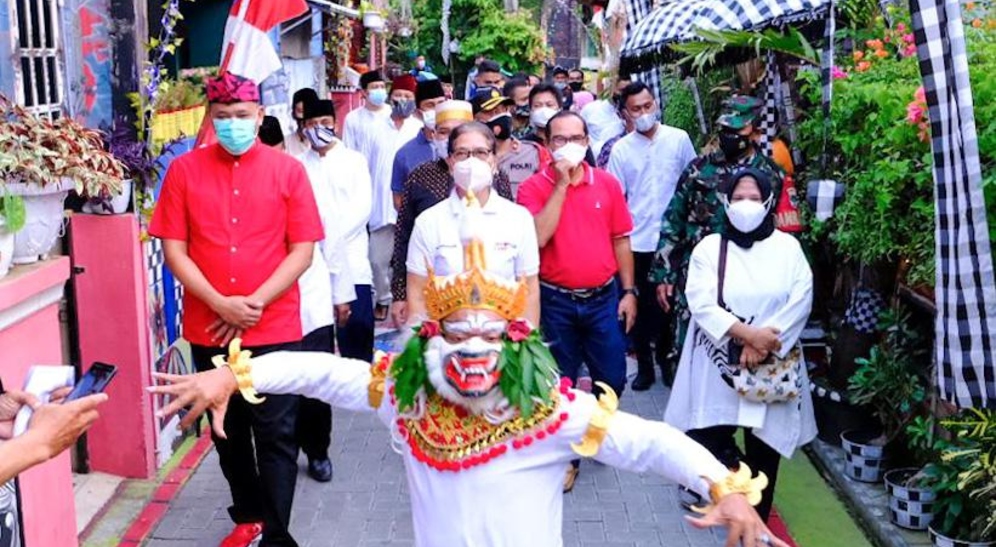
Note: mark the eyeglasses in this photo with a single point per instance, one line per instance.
(561, 140)
(479, 153)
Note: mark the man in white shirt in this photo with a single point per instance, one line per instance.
(327, 288)
(295, 142)
(648, 163)
(388, 136)
(345, 173)
(508, 232)
(359, 125)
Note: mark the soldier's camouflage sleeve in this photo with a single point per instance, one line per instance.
(673, 229)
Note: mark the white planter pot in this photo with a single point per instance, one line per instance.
(6, 249)
(113, 206)
(373, 21)
(43, 218)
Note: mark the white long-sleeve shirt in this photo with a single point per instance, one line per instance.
(516, 499)
(328, 280)
(358, 128)
(345, 172)
(768, 285)
(387, 139)
(648, 170)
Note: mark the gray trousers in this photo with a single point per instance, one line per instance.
(381, 248)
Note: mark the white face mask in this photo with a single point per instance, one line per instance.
(573, 152)
(429, 118)
(746, 215)
(540, 116)
(440, 148)
(646, 122)
(472, 174)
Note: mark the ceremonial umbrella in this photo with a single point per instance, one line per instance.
(679, 21)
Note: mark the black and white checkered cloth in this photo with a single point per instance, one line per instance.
(966, 295)
(636, 11)
(767, 122)
(824, 196)
(863, 311)
(678, 21)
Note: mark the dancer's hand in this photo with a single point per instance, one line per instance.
(744, 525)
(202, 391)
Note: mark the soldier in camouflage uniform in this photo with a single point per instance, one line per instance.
(695, 211)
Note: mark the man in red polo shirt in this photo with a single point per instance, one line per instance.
(238, 222)
(583, 226)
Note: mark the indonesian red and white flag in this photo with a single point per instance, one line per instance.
(247, 49)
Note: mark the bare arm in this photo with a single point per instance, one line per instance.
(416, 297)
(533, 304)
(624, 259)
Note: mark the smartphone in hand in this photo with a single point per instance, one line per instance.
(95, 380)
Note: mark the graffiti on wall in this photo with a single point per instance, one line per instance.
(87, 41)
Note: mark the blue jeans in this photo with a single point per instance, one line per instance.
(586, 331)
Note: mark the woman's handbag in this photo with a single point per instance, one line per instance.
(774, 382)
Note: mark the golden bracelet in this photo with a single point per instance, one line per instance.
(598, 427)
(239, 363)
(378, 375)
(737, 482)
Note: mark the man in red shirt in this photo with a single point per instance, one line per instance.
(238, 222)
(583, 226)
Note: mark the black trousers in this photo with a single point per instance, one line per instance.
(759, 456)
(314, 419)
(259, 458)
(356, 338)
(652, 324)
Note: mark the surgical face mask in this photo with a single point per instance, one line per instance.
(402, 108)
(504, 124)
(472, 174)
(429, 118)
(560, 85)
(647, 121)
(420, 64)
(746, 215)
(539, 117)
(441, 148)
(236, 135)
(733, 145)
(320, 136)
(576, 86)
(573, 152)
(377, 97)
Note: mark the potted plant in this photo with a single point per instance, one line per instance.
(910, 489)
(373, 17)
(11, 221)
(140, 169)
(964, 479)
(43, 161)
(889, 382)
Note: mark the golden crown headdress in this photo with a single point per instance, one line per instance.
(474, 288)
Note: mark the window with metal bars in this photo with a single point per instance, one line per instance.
(38, 70)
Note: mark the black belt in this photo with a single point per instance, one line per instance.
(582, 294)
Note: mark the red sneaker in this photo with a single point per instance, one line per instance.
(243, 535)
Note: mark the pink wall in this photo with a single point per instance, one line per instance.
(112, 316)
(46, 490)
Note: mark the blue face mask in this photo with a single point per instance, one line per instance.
(236, 135)
(377, 96)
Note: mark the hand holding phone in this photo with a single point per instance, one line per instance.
(95, 380)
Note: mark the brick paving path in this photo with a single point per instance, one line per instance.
(366, 503)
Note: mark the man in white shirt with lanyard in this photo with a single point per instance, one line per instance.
(327, 287)
(648, 163)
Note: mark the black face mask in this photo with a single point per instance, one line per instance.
(504, 125)
(733, 145)
(522, 111)
(576, 86)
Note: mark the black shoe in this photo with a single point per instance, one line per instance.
(320, 470)
(642, 383)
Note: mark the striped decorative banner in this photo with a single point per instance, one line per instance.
(965, 293)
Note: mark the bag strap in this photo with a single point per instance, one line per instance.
(723, 247)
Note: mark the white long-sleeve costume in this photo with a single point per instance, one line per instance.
(514, 498)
